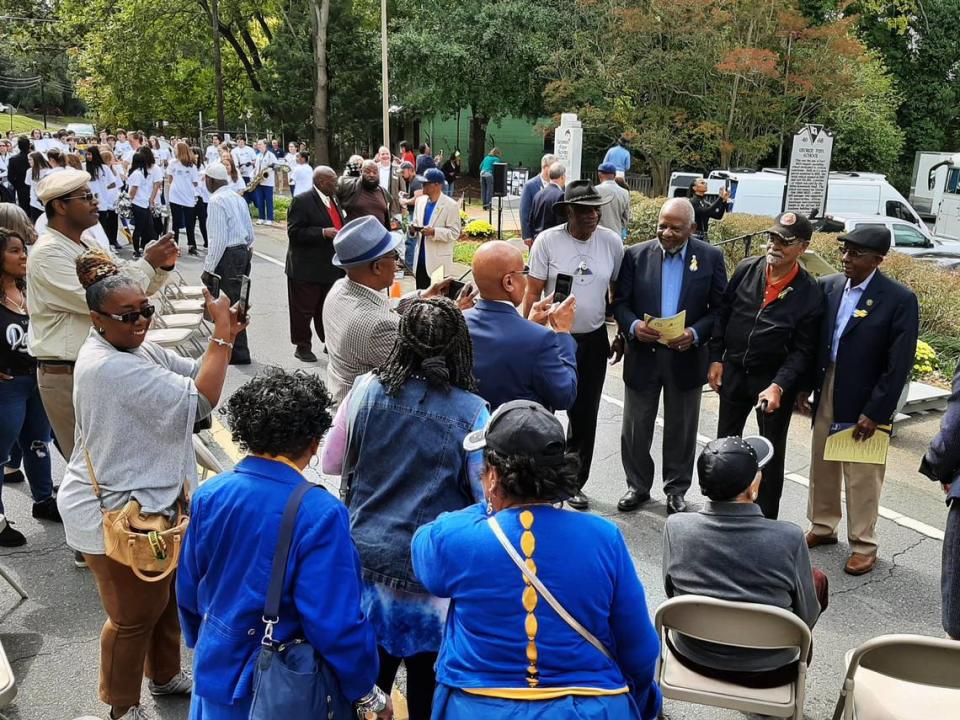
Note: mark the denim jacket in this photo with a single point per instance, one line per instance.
(408, 466)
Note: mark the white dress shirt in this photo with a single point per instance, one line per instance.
(851, 298)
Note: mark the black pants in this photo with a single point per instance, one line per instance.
(144, 230)
(421, 680)
(738, 397)
(236, 261)
(23, 197)
(110, 224)
(202, 220)
(34, 213)
(593, 349)
(950, 572)
(306, 305)
(184, 217)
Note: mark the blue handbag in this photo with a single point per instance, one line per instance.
(291, 681)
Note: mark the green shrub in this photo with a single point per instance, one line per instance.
(463, 251)
(281, 204)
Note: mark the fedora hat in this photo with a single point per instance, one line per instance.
(363, 240)
(582, 192)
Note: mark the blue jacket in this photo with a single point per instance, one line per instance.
(584, 562)
(942, 460)
(224, 572)
(516, 359)
(619, 156)
(543, 217)
(530, 189)
(876, 352)
(405, 465)
(639, 293)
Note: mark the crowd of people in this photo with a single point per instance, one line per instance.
(437, 411)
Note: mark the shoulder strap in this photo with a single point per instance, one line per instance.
(93, 475)
(271, 608)
(542, 589)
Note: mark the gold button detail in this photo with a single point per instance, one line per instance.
(528, 543)
(530, 599)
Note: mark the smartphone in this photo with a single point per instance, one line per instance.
(244, 301)
(563, 287)
(214, 285)
(455, 287)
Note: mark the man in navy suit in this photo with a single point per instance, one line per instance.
(868, 341)
(516, 358)
(545, 214)
(530, 189)
(660, 278)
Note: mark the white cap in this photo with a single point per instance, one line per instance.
(217, 171)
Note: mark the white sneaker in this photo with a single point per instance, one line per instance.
(259, 222)
(134, 713)
(268, 222)
(180, 684)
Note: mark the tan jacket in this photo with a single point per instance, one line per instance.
(446, 222)
(59, 316)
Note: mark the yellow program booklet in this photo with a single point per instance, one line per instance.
(670, 328)
(841, 447)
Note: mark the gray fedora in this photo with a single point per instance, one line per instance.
(582, 192)
(363, 240)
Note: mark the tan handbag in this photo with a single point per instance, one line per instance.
(144, 543)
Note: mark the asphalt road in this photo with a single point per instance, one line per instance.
(52, 638)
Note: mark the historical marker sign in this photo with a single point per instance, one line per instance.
(568, 144)
(809, 171)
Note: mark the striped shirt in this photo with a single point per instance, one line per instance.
(228, 224)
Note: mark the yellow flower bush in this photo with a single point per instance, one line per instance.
(479, 230)
(925, 361)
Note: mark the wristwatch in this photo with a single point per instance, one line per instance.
(374, 701)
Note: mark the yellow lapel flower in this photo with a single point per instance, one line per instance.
(693, 264)
(859, 313)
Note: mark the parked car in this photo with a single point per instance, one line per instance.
(905, 237)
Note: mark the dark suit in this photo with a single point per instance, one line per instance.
(875, 355)
(650, 368)
(543, 216)
(310, 272)
(17, 170)
(516, 359)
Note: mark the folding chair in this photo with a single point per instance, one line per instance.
(901, 677)
(206, 460)
(746, 625)
(176, 287)
(176, 338)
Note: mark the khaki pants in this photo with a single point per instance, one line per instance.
(141, 636)
(56, 392)
(862, 481)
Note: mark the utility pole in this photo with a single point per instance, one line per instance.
(217, 67)
(43, 103)
(384, 69)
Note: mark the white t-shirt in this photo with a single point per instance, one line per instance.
(243, 158)
(34, 200)
(212, 154)
(122, 148)
(265, 161)
(144, 186)
(202, 193)
(106, 196)
(162, 155)
(183, 184)
(301, 178)
(291, 160)
(593, 263)
(156, 177)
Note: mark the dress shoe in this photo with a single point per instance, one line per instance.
(10, 537)
(860, 564)
(305, 356)
(47, 510)
(192, 251)
(579, 502)
(9, 478)
(814, 540)
(631, 500)
(676, 504)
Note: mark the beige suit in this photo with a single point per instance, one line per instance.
(446, 223)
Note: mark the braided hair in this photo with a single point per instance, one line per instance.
(434, 344)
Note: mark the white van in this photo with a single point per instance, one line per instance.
(761, 193)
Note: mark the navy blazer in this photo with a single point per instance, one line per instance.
(543, 216)
(942, 459)
(516, 359)
(638, 293)
(876, 352)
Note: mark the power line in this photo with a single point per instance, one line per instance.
(27, 19)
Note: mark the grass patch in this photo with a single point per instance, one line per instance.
(23, 124)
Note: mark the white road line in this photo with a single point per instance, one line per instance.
(892, 515)
(268, 259)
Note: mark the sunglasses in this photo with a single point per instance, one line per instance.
(86, 197)
(856, 252)
(132, 317)
(781, 240)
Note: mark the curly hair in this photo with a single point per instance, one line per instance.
(5, 237)
(279, 413)
(522, 478)
(434, 343)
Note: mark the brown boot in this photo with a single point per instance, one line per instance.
(814, 540)
(860, 564)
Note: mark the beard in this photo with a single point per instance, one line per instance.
(370, 184)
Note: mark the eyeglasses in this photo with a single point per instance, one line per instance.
(131, 317)
(781, 240)
(856, 252)
(525, 271)
(86, 197)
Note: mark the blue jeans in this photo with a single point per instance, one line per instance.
(448, 189)
(23, 420)
(486, 188)
(263, 197)
(409, 249)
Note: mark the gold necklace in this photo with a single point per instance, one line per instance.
(20, 307)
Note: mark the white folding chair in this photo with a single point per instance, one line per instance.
(901, 677)
(206, 460)
(186, 321)
(176, 338)
(8, 683)
(746, 625)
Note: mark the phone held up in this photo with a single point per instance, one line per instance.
(454, 290)
(563, 287)
(214, 284)
(244, 301)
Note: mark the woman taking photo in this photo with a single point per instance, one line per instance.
(23, 421)
(202, 194)
(279, 419)
(505, 654)
(144, 382)
(107, 187)
(422, 399)
(143, 193)
(182, 194)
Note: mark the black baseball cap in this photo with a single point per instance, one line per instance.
(727, 466)
(869, 237)
(792, 226)
(522, 428)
